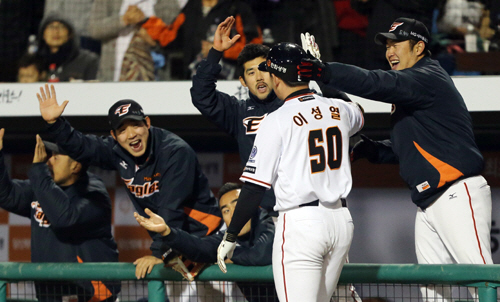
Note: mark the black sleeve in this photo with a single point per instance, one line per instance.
(89, 149)
(385, 153)
(248, 202)
(406, 87)
(260, 253)
(221, 108)
(15, 195)
(65, 210)
(333, 93)
(196, 249)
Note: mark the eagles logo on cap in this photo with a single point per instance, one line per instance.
(123, 110)
(395, 25)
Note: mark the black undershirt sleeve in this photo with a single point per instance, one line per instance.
(248, 202)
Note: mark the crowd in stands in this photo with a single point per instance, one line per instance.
(130, 40)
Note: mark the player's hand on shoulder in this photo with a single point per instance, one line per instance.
(144, 265)
(49, 108)
(364, 148)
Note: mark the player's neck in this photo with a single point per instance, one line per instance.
(291, 92)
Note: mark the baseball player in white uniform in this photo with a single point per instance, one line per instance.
(301, 150)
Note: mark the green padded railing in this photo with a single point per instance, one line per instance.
(485, 277)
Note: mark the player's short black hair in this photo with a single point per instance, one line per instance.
(29, 59)
(250, 52)
(228, 187)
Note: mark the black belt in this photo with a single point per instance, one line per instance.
(315, 203)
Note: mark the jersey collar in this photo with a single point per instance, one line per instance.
(299, 93)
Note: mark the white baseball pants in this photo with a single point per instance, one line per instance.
(310, 247)
(455, 229)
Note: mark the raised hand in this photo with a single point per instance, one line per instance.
(154, 223)
(49, 108)
(222, 40)
(309, 45)
(40, 152)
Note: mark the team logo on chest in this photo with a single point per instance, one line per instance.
(145, 190)
(252, 123)
(39, 215)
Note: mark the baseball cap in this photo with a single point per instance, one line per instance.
(49, 146)
(283, 60)
(403, 29)
(124, 110)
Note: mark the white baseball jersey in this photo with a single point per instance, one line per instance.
(302, 150)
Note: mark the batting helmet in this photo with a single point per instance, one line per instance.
(283, 60)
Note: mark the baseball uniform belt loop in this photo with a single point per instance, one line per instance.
(315, 203)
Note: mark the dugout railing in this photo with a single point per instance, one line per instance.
(486, 278)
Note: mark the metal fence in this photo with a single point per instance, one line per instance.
(385, 282)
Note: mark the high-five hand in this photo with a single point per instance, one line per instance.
(40, 152)
(155, 223)
(309, 45)
(49, 108)
(222, 40)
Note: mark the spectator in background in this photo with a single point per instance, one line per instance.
(70, 213)
(78, 11)
(288, 18)
(116, 23)
(31, 69)
(194, 28)
(381, 14)
(18, 20)
(352, 32)
(58, 44)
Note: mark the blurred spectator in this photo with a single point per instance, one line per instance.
(70, 213)
(194, 28)
(31, 69)
(116, 23)
(352, 34)
(78, 11)
(288, 18)
(58, 44)
(456, 15)
(18, 20)
(381, 14)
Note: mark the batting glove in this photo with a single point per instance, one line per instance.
(226, 248)
(365, 148)
(309, 45)
(312, 69)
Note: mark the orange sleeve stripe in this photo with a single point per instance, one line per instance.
(233, 52)
(101, 292)
(255, 180)
(447, 172)
(212, 222)
(161, 32)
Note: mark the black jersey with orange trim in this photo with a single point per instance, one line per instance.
(240, 118)
(432, 136)
(170, 182)
(68, 224)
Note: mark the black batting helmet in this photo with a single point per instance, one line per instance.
(283, 60)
